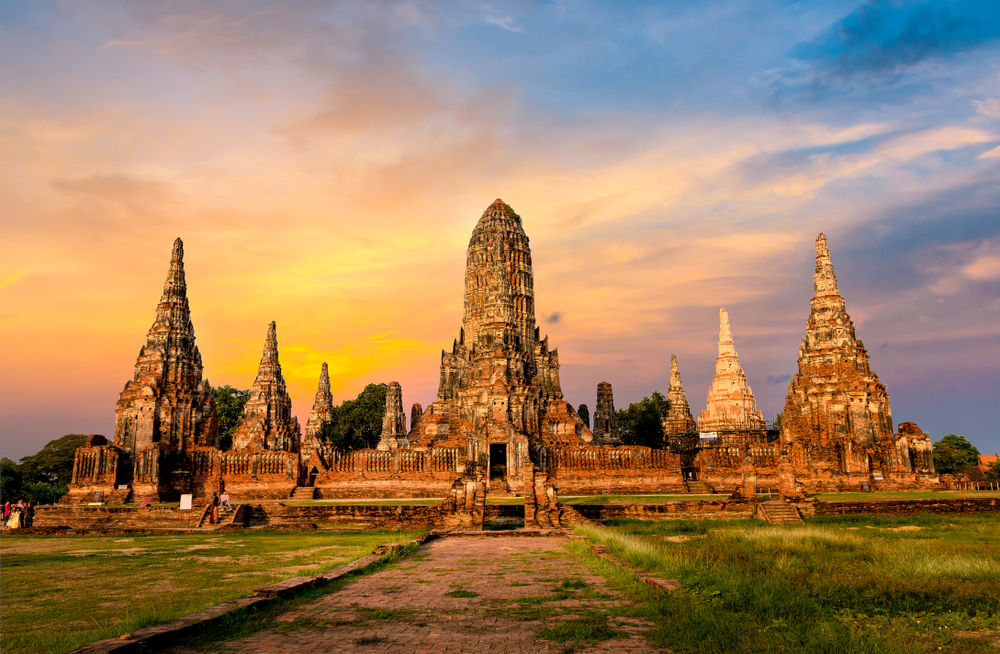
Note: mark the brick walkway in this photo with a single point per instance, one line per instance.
(406, 608)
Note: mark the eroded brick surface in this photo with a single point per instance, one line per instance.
(419, 616)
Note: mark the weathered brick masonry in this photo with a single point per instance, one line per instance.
(500, 424)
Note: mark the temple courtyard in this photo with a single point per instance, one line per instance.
(857, 583)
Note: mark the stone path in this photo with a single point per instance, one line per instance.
(407, 607)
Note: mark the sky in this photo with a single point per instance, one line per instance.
(326, 162)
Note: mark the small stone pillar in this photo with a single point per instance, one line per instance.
(605, 419)
(749, 472)
(394, 420)
(786, 478)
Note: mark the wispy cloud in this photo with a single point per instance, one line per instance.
(506, 22)
(127, 43)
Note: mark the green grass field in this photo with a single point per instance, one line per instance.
(853, 584)
(61, 593)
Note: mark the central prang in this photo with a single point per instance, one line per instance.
(500, 383)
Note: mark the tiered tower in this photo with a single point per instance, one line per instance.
(678, 423)
(606, 430)
(731, 410)
(167, 402)
(393, 420)
(267, 421)
(836, 411)
(499, 384)
(321, 414)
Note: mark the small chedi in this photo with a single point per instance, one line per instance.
(267, 422)
(500, 423)
(679, 427)
(321, 414)
(730, 414)
(394, 420)
(605, 418)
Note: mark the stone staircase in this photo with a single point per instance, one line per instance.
(303, 493)
(698, 488)
(118, 496)
(779, 512)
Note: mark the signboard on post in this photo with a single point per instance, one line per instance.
(186, 502)
(709, 436)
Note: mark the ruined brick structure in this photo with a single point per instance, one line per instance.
(679, 427)
(731, 412)
(837, 424)
(166, 412)
(321, 414)
(415, 412)
(394, 420)
(499, 391)
(584, 414)
(500, 424)
(606, 430)
(267, 422)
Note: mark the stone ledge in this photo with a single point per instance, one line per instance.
(506, 533)
(142, 639)
(658, 583)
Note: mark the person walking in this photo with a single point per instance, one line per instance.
(6, 512)
(29, 514)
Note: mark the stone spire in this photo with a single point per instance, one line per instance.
(606, 430)
(836, 407)
(393, 420)
(500, 381)
(167, 401)
(267, 421)
(678, 422)
(584, 413)
(731, 406)
(322, 411)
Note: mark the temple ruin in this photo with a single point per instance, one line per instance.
(606, 430)
(500, 424)
(730, 416)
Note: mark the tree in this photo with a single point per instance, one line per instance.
(777, 420)
(11, 489)
(229, 403)
(642, 422)
(357, 423)
(953, 454)
(53, 464)
(993, 471)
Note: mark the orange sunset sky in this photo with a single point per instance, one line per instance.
(325, 163)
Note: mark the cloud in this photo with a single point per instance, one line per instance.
(780, 379)
(991, 154)
(127, 43)
(552, 317)
(989, 107)
(883, 38)
(506, 22)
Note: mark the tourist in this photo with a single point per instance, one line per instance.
(6, 512)
(29, 514)
(215, 504)
(15, 518)
(225, 501)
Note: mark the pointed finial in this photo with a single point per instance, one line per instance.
(177, 256)
(325, 373)
(673, 365)
(726, 346)
(824, 279)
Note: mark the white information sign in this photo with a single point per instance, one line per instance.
(186, 502)
(709, 435)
